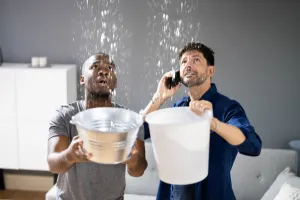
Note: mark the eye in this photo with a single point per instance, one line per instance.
(184, 61)
(93, 67)
(197, 60)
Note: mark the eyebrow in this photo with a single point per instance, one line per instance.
(96, 62)
(196, 56)
(99, 61)
(193, 56)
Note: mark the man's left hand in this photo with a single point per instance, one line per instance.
(200, 106)
(133, 158)
(137, 164)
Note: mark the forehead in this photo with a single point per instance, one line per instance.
(100, 58)
(191, 53)
(96, 59)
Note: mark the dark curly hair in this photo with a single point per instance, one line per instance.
(207, 52)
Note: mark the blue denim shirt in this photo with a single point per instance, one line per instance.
(217, 185)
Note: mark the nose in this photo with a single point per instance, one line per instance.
(188, 68)
(189, 63)
(103, 72)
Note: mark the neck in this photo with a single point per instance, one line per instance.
(197, 91)
(95, 100)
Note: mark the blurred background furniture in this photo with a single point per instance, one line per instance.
(252, 177)
(29, 98)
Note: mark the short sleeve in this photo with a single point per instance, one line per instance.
(57, 125)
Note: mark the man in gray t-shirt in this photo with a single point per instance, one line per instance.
(79, 178)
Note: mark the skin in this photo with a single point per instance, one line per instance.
(196, 76)
(99, 79)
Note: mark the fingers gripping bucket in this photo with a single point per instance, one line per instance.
(108, 133)
(180, 141)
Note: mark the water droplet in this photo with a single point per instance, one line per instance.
(173, 61)
(159, 63)
(177, 32)
(102, 38)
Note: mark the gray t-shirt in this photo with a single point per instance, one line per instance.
(86, 181)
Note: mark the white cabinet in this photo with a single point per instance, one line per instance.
(29, 101)
(8, 120)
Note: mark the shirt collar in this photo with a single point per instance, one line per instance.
(208, 95)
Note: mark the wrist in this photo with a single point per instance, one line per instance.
(214, 124)
(69, 158)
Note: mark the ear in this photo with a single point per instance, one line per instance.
(211, 70)
(81, 80)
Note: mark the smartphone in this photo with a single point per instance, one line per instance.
(173, 81)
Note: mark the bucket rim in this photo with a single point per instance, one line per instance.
(206, 117)
(76, 122)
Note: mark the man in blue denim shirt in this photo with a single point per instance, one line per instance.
(231, 131)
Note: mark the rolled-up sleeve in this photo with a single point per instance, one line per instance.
(236, 116)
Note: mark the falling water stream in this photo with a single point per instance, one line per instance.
(170, 25)
(102, 30)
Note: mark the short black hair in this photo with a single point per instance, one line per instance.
(91, 59)
(207, 52)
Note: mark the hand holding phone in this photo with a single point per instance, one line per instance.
(173, 81)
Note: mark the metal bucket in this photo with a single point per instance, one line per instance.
(108, 133)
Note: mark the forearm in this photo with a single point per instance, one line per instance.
(154, 104)
(137, 167)
(231, 134)
(59, 162)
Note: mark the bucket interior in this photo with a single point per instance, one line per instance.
(108, 120)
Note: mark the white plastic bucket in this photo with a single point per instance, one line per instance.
(180, 140)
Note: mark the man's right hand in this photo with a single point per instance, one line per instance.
(163, 93)
(75, 152)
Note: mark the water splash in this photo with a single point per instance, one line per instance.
(171, 25)
(101, 30)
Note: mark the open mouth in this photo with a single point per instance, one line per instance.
(102, 81)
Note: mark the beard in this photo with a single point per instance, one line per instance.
(99, 95)
(95, 92)
(98, 91)
(197, 80)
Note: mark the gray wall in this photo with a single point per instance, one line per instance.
(256, 45)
